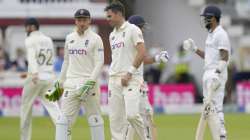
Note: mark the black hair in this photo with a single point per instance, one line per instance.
(116, 7)
(32, 21)
(217, 19)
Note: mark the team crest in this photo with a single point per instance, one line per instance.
(72, 41)
(86, 43)
(113, 38)
(123, 34)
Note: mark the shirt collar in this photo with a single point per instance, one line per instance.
(35, 33)
(124, 25)
(218, 28)
(85, 32)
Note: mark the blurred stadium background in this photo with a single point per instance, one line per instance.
(175, 88)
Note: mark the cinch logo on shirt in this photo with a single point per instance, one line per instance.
(117, 45)
(78, 51)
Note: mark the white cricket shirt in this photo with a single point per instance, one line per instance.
(215, 41)
(83, 58)
(40, 55)
(123, 42)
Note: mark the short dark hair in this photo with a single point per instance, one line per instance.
(32, 21)
(116, 7)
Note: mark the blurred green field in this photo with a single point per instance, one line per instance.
(170, 127)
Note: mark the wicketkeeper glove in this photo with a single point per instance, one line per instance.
(162, 57)
(189, 45)
(55, 93)
(85, 88)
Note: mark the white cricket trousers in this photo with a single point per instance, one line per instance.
(218, 95)
(124, 108)
(71, 104)
(30, 92)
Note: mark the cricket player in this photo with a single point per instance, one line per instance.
(83, 61)
(40, 56)
(126, 74)
(146, 110)
(216, 56)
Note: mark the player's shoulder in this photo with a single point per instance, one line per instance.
(221, 33)
(70, 36)
(132, 26)
(133, 29)
(94, 34)
(47, 38)
(28, 41)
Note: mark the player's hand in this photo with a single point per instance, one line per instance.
(125, 79)
(34, 78)
(86, 87)
(189, 45)
(162, 57)
(55, 93)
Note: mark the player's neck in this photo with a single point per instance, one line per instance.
(81, 32)
(214, 27)
(119, 24)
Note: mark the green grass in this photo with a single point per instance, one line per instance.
(170, 127)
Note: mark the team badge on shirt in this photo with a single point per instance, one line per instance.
(72, 41)
(86, 43)
(123, 34)
(113, 38)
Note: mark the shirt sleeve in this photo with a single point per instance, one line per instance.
(137, 36)
(31, 57)
(65, 64)
(98, 58)
(223, 42)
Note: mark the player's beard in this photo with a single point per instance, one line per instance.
(28, 33)
(206, 22)
(81, 30)
(111, 24)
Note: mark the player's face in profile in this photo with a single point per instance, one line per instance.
(112, 17)
(208, 22)
(82, 24)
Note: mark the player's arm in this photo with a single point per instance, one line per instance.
(141, 51)
(148, 60)
(190, 45)
(158, 58)
(55, 93)
(201, 53)
(136, 63)
(223, 46)
(32, 60)
(138, 42)
(65, 64)
(98, 58)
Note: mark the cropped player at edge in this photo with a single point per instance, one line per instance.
(145, 108)
(83, 61)
(40, 56)
(216, 56)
